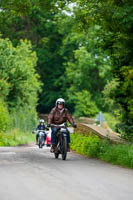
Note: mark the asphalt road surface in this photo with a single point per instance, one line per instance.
(30, 173)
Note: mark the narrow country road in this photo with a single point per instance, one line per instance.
(29, 173)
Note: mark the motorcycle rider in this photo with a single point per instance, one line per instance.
(40, 127)
(57, 116)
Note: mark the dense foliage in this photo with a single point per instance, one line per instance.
(58, 46)
(84, 54)
(92, 146)
(19, 85)
(4, 117)
(116, 21)
(18, 80)
(15, 137)
(36, 21)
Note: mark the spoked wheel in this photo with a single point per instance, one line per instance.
(40, 142)
(64, 148)
(56, 153)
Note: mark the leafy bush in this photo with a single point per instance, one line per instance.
(122, 109)
(119, 155)
(15, 137)
(5, 121)
(86, 145)
(111, 120)
(84, 105)
(24, 119)
(125, 128)
(92, 146)
(108, 96)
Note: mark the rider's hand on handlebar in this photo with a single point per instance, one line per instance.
(49, 125)
(74, 125)
(58, 127)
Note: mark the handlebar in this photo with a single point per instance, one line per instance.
(64, 125)
(60, 125)
(38, 131)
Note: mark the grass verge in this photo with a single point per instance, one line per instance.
(92, 146)
(16, 137)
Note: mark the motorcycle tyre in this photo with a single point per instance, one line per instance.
(56, 153)
(64, 148)
(40, 144)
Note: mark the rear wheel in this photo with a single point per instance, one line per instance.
(64, 148)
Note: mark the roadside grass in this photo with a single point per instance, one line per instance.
(92, 146)
(16, 137)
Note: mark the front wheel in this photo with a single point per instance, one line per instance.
(57, 152)
(64, 148)
(56, 155)
(40, 142)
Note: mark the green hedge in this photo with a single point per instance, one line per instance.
(5, 120)
(24, 119)
(92, 146)
(15, 137)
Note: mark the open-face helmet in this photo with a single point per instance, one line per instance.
(41, 120)
(60, 101)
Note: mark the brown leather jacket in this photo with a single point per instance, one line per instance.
(58, 117)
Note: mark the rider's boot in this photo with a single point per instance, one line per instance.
(68, 148)
(52, 148)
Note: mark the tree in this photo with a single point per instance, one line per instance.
(37, 21)
(89, 69)
(116, 21)
(19, 85)
(19, 82)
(84, 105)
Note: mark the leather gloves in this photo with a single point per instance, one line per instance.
(74, 125)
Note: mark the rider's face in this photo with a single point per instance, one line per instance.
(60, 106)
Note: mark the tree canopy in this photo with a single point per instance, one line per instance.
(18, 79)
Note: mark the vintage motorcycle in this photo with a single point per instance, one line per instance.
(42, 135)
(41, 138)
(61, 145)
